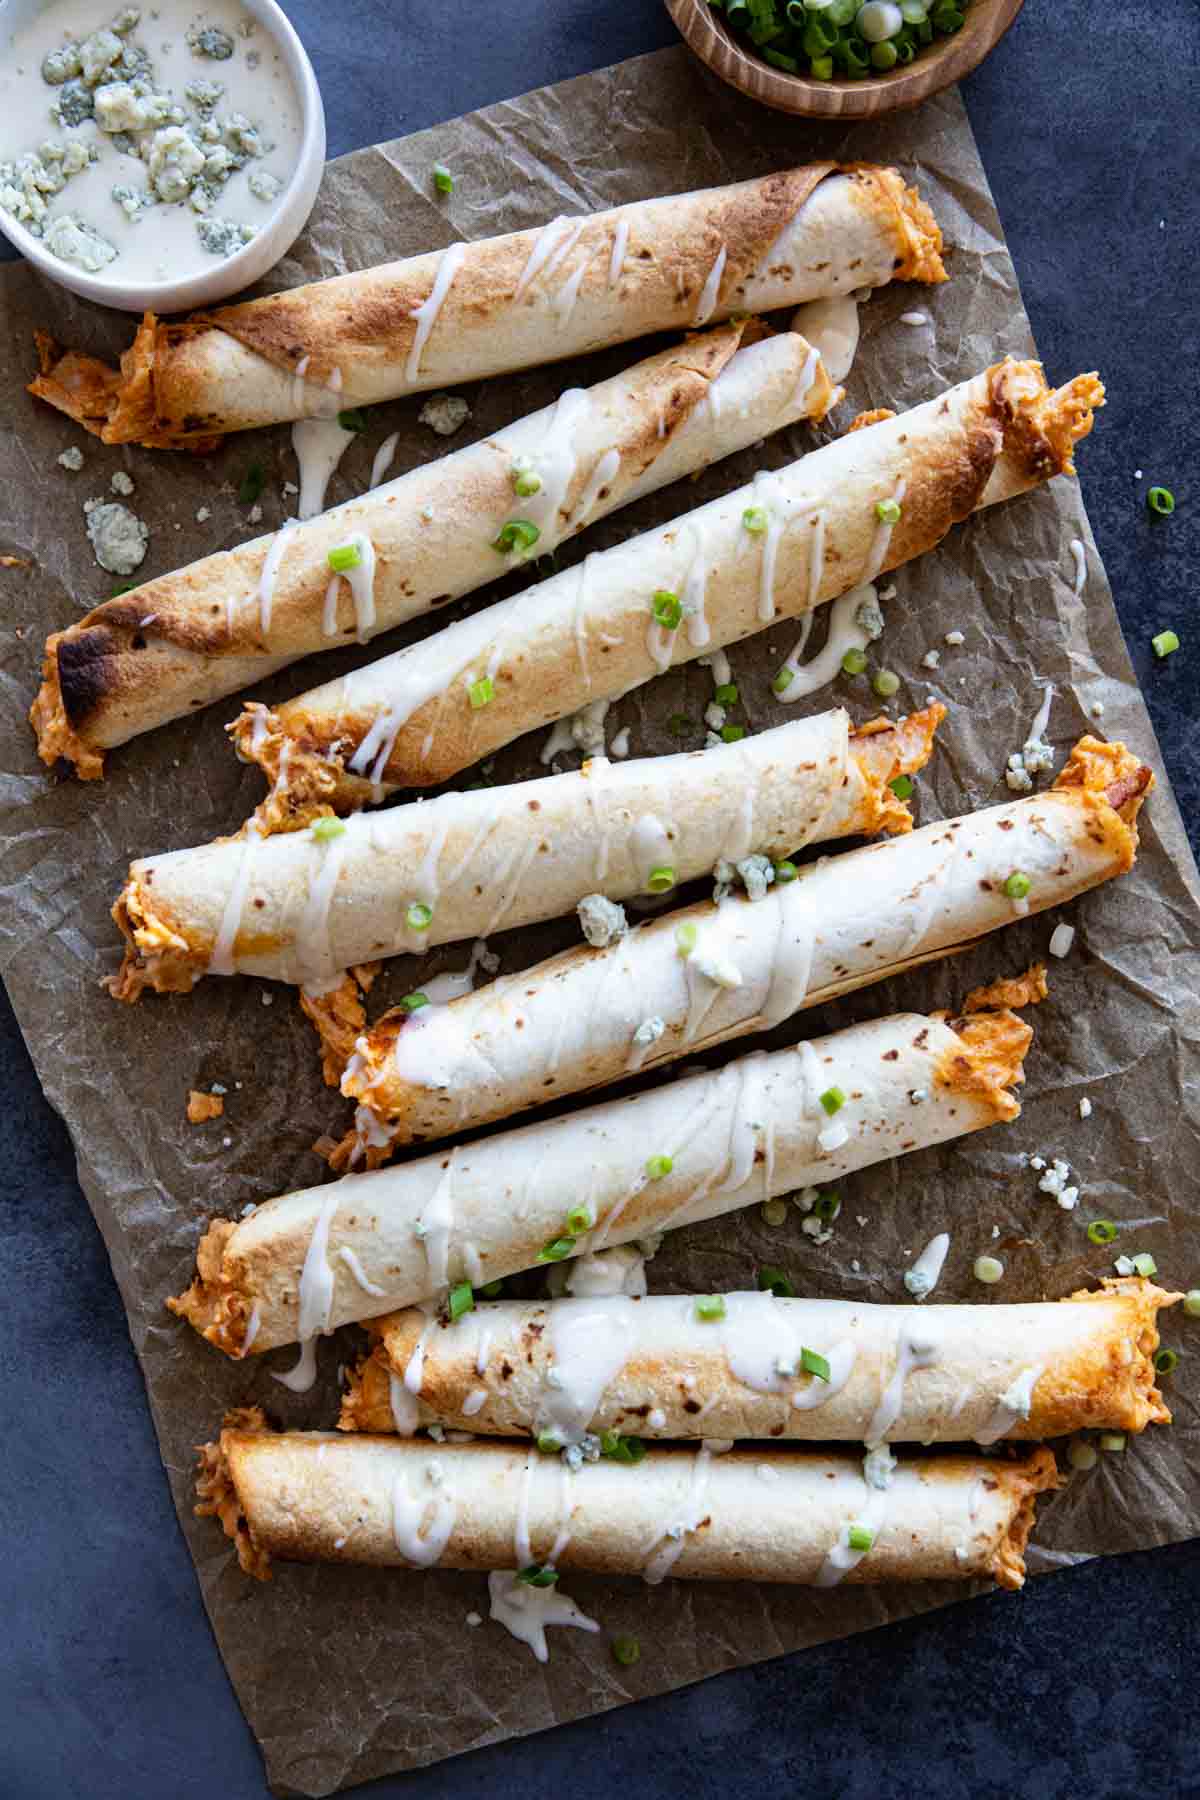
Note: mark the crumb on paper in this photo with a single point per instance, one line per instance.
(202, 1106)
(254, 516)
(203, 513)
(267, 999)
(1056, 1181)
(444, 413)
(1085, 1108)
(121, 483)
(955, 638)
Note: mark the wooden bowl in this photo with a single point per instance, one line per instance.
(946, 60)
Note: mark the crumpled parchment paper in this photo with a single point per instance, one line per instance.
(347, 1674)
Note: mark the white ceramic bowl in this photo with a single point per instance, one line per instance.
(271, 241)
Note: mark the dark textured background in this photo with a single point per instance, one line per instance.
(1086, 118)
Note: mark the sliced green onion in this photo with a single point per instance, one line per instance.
(860, 1537)
(1161, 500)
(344, 557)
(685, 938)
(325, 828)
(481, 692)
(833, 1100)
(783, 680)
(549, 1443)
(779, 60)
(902, 786)
(887, 512)
(1017, 885)
(526, 482)
(884, 57)
(1102, 1231)
(557, 1250)
(1191, 1303)
(854, 662)
(667, 608)
(1165, 1361)
(621, 1449)
(626, 1650)
(123, 587)
(1145, 1264)
(443, 180)
(580, 1220)
(840, 12)
(1081, 1455)
(828, 1205)
(538, 1575)
(661, 881)
(774, 1212)
(679, 725)
(904, 51)
(821, 68)
(352, 419)
(414, 1002)
(252, 484)
(775, 1281)
(1165, 643)
(517, 535)
(492, 1290)
(732, 734)
(813, 1363)
(989, 1270)
(710, 1306)
(885, 683)
(658, 1166)
(462, 1300)
(786, 871)
(419, 916)
(726, 694)
(913, 11)
(1112, 1440)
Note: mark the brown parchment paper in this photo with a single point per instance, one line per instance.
(348, 1674)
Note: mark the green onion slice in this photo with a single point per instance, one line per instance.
(1191, 1303)
(580, 1220)
(885, 683)
(833, 1100)
(414, 1002)
(1165, 643)
(658, 1166)
(1161, 500)
(854, 662)
(621, 1449)
(549, 1443)
(679, 725)
(481, 692)
(516, 536)
(492, 1290)
(685, 938)
(325, 828)
(1017, 885)
(828, 1205)
(1145, 1264)
(772, 1280)
(733, 734)
(887, 512)
(352, 419)
(443, 180)
(786, 871)
(462, 1300)
(1112, 1440)
(783, 680)
(1165, 1361)
(726, 694)
(1102, 1231)
(860, 1537)
(344, 557)
(813, 1363)
(662, 880)
(755, 518)
(902, 787)
(419, 916)
(667, 608)
(626, 1650)
(538, 1575)
(557, 1250)
(710, 1307)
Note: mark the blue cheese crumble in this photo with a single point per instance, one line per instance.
(119, 538)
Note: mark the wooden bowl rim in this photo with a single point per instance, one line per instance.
(706, 34)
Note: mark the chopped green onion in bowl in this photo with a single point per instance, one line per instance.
(840, 39)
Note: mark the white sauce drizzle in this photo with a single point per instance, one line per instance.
(841, 1558)
(564, 301)
(222, 960)
(1080, 555)
(918, 1346)
(437, 1219)
(385, 456)
(406, 1414)
(525, 1612)
(845, 633)
(923, 1275)
(270, 572)
(410, 1512)
(320, 445)
(650, 845)
(1015, 1403)
(316, 1300)
(883, 537)
(350, 1258)
(616, 261)
(1042, 717)
(711, 289)
(831, 327)
(426, 314)
(667, 1550)
(361, 582)
(551, 234)
(695, 592)
(601, 477)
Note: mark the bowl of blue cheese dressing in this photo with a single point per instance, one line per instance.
(155, 157)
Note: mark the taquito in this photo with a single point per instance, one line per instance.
(188, 638)
(302, 906)
(748, 1514)
(755, 1366)
(587, 1017)
(706, 1144)
(511, 302)
(783, 544)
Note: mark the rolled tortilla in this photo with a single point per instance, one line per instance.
(695, 1148)
(744, 1515)
(302, 908)
(191, 637)
(588, 634)
(655, 1368)
(588, 1017)
(510, 302)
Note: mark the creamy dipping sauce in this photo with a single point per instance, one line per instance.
(144, 144)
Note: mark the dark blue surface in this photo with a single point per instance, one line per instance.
(1079, 1687)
